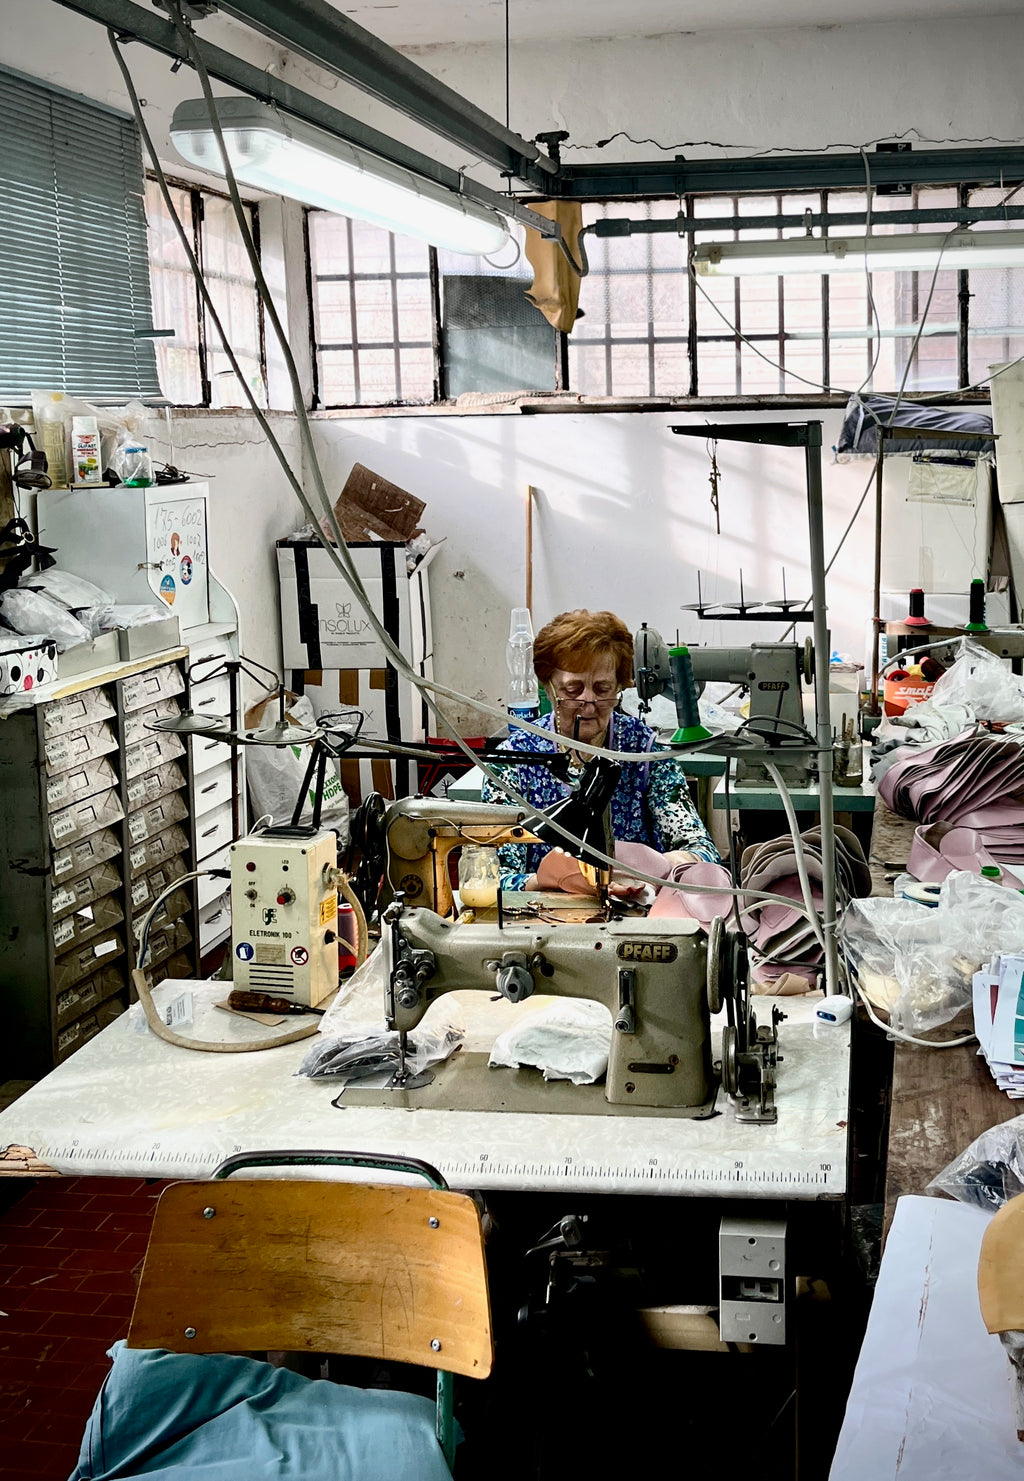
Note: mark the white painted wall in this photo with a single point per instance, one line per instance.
(623, 517)
(622, 520)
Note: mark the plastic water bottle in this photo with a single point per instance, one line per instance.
(521, 698)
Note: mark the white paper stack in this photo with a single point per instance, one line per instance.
(999, 1021)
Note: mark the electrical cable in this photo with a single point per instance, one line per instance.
(338, 552)
(818, 927)
(141, 983)
(909, 1038)
(872, 306)
(785, 148)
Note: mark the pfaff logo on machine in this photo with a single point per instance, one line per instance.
(646, 951)
(773, 684)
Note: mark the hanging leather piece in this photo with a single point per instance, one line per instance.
(555, 289)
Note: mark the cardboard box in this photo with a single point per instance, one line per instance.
(27, 665)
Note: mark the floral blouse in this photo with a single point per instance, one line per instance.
(651, 804)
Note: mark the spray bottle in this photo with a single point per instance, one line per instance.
(521, 696)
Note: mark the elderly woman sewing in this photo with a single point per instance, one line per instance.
(585, 660)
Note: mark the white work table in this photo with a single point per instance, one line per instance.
(932, 1396)
(128, 1104)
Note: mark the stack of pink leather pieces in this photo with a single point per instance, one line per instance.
(782, 939)
(974, 784)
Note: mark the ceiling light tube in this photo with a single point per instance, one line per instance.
(906, 252)
(284, 156)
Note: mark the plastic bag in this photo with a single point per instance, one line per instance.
(568, 1041)
(982, 682)
(275, 774)
(106, 618)
(31, 612)
(990, 1171)
(364, 1056)
(71, 591)
(918, 962)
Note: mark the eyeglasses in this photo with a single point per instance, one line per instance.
(601, 695)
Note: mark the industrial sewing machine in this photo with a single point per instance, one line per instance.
(660, 979)
(772, 672)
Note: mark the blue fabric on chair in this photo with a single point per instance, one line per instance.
(198, 1417)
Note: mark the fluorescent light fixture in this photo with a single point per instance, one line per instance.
(907, 252)
(284, 156)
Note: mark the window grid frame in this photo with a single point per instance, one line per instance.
(195, 195)
(393, 276)
(693, 339)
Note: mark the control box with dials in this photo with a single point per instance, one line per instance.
(284, 915)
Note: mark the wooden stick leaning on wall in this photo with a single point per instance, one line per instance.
(530, 495)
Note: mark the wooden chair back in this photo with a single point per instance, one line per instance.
(1001, 1269)
(363, 1269)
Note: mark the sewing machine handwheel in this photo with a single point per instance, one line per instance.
(730, 1068)
(716, 964)
(808, 661)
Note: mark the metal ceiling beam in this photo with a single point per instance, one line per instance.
(683, 225)
(790, 173)
(328, 39)
(146, 26)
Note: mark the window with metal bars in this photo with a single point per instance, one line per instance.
(193, 368)
(649, 328)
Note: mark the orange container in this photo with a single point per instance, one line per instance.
(903, 689)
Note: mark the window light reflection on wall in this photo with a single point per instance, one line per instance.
(285, 156)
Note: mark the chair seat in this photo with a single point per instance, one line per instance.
(178, 1416)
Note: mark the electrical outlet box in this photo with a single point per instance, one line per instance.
(284, 916)
(752, 1281)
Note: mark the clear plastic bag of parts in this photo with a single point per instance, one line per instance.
(354, 1045)
(916, 962)
(990, 1171)
(566, 1041)
(982, 683)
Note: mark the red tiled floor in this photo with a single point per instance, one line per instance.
(70, 1250)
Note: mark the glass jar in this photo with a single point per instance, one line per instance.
(479, 876)
(137, 466)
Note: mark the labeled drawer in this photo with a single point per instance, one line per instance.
(145, 889)
(153, 784)
(138, 727)
(87, 995)
(214, 921)
(81, 961)
(87, 708)
(75, 747)
(81, 857)
(213, 831)
(211, 697)
(177, 904)
(166, 940)
(148, 754)
(103, 879)
(210, 791)
(146, 855)
(156, 816)
(208, 753)
(83, 818)
(141, 690)
(88, 1026)
(179, 965)
(80, 781)
(82, 924)
(210, 886)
